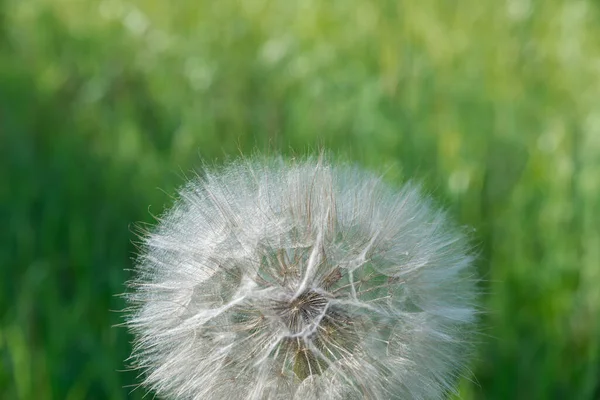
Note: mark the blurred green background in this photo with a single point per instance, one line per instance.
(106, 105)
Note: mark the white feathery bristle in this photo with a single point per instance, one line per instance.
(301, 280)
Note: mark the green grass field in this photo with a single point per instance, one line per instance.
(106, 105)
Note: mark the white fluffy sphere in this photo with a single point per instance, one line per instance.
(301, 280)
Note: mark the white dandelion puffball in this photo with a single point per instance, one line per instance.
(301, 280)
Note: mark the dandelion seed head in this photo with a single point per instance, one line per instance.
(301, 280)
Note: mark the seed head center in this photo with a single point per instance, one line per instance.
(302, 312)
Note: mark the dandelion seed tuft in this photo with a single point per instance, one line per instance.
(301, 280)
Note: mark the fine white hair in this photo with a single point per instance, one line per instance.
(301, 280)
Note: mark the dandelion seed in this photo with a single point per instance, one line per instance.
(303, 280)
